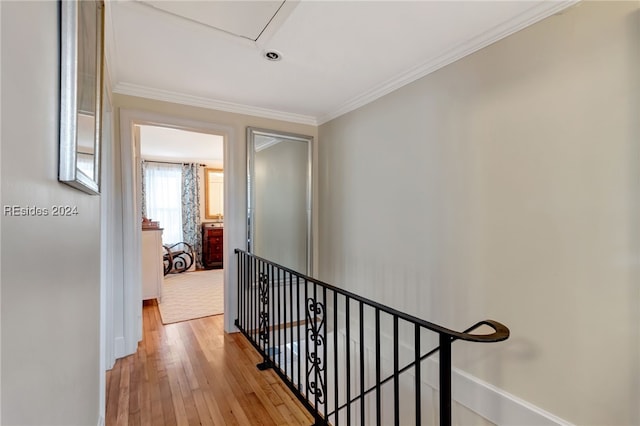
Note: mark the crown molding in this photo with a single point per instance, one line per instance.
(525, 19)
(202, 102)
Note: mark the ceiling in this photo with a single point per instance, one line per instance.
(168, 144)
(336, 55)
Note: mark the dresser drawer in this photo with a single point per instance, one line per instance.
(214, 240)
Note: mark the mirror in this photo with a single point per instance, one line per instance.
(81, 62)
(279, 197)
(214, 190)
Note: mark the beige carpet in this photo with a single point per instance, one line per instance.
(192, 295)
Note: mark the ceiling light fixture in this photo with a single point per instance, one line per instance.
(272, 55)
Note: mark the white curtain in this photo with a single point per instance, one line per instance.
(163, 198)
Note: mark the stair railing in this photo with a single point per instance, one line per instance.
(349, 360)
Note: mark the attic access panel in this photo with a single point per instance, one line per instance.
(247, 19)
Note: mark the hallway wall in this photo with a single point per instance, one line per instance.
(505, 186)
(50, 310)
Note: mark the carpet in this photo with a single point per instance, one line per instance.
(192, 295)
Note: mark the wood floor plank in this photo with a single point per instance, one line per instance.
(168, 412)
(113, 392)
(124, 395)
(299, 413)
(145, 390)
(134, 392)
(176, 396)
(192, 373)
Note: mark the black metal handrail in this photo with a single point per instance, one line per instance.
(291, 319)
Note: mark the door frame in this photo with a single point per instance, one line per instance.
(131, 203)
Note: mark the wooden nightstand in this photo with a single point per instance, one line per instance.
(212, 237)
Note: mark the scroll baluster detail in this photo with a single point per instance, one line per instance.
(263, 287)
(315, 324)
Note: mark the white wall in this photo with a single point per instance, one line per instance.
(50, 265)
(505, 186)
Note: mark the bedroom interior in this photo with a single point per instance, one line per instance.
(182, 206)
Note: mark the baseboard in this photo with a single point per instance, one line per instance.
(497, 405)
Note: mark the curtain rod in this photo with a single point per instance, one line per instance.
(170, 162)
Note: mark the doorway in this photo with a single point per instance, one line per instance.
(178, 195)
(129, 297)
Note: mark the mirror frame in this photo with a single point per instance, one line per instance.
(70, 82)
(252, 132)
(207, 192)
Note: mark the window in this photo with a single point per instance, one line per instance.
(163, 197)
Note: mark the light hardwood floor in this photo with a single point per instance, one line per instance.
(192, 373)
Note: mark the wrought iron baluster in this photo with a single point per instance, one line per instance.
(254, 299)
(362, 400)
(348, 356)
(263, 335)
(324, 354)
(336, 374)
(396, 375)
(378, 371)
(299, 380)
(306, 346)
(272, 330)
(445, 379)
(292, 323)
(284, 322)
(418, 381)
(315, 325)
(241, 284)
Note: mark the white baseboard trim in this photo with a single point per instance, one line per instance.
(101, 421)
(498, 406)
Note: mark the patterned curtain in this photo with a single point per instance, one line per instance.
(191, 209)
